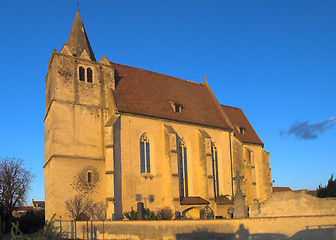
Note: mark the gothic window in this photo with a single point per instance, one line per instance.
(81, 73)
(215, 169)
(183, 171)
(89, 75)
(144, 154)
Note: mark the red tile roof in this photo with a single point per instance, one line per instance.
(149, 93)
(23, 208)
(238, 118)
(223, 201)
(194, 201)
(281, 189)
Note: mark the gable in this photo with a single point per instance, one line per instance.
(240, 121)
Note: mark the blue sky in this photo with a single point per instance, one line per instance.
(274, 59)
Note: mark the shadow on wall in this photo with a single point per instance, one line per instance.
(328, 233)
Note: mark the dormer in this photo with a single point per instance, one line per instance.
(177, 107)
(241, 130)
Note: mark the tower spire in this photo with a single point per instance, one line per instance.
(78, 40)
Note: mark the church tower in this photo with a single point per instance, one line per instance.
(77, 93)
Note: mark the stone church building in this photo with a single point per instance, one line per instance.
(119, 135)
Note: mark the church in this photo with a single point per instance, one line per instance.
(122, 135)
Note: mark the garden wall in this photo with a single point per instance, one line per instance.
(305, 227)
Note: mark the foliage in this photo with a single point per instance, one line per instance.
(329, 190)
(149, 215)
(99, 211)
(131, 215)
(81, 183)
(79, 208)
(15, 183)
(49, 232)
(166, 214)
(32, 220)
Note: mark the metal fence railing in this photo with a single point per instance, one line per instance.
(82, 229)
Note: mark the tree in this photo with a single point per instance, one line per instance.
(15, 183)
(79, 208)
(99, 211)
(329, 190)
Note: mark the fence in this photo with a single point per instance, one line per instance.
(304, 227)
(82, 229)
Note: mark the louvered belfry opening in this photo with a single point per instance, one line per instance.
(81, 73)
(89, 75)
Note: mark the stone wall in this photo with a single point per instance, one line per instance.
(293, 204)
(317, 227)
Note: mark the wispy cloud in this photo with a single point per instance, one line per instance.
(305, 130)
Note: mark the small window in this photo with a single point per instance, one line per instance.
(89, 75)
(89, 177)
(81, 73)
(242, 130)
(176, 106)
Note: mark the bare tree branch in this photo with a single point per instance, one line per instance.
(15, 183)
(79, 207)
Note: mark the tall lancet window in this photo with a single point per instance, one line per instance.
(183, 170)
(81, 73)
(215, 169)
(144, 154)
(89, 75)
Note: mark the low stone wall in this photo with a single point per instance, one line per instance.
(290, 203)
(313, 227)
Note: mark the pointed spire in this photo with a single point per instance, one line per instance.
(78, 40)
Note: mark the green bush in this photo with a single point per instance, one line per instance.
(149, 215)
(131, 215)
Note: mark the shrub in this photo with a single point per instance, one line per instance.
(131, 215)
(32, 221)
(79, 207)
(149, 215)
(99, 211)
(166, 214)
(49, 232)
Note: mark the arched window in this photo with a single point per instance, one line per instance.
(81, 73)
(215, 169)
(183, 170)
(89, 75)
(144, 154)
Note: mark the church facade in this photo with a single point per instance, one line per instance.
(120, 135)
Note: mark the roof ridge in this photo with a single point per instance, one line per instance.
(163, 74)
(230, 106)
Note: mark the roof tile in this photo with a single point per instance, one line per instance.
(149, 93)
(238, 118)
